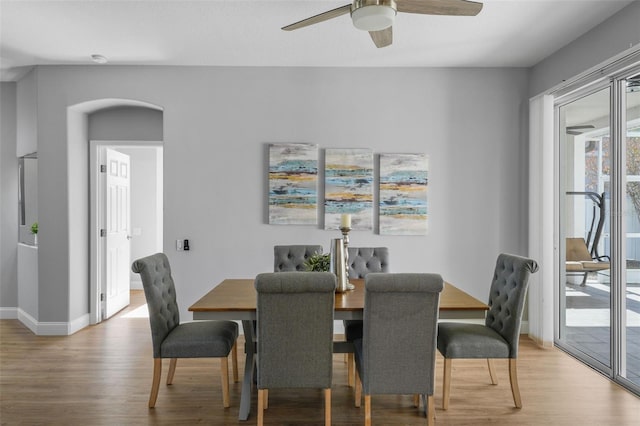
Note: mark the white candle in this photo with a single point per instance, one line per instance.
(345, 220)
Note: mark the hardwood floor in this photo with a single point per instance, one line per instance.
(102, 376)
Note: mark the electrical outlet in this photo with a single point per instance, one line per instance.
(179, 245)
(185, 245)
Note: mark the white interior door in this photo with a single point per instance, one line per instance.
(117, 228)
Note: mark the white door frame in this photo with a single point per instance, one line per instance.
(96, 285)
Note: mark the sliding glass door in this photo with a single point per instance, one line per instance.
(598, 136)
(585, 138)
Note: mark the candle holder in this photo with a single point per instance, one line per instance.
(345, 241)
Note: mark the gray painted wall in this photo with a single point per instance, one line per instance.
(27, 117)
(615, 36)
(217, 122)
(126, 124)
(8, 197)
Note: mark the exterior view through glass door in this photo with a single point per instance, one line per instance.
(599, 217)
(585, 324)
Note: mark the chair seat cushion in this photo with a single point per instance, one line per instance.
(352, 330)
(200, 339)
(462, 340)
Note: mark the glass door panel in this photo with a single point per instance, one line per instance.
(585, 299)
(631, 291)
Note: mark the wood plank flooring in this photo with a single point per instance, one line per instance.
(102, 376)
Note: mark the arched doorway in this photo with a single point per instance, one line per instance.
(84, 235)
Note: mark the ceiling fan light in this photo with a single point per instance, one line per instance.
(373, 18)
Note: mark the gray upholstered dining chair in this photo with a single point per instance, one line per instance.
(362, 260)
(293, 257)
(173, 340)
(295, 325)
(498, 337)
(397, 352)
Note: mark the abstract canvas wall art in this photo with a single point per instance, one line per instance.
(403, 194)
(293, 184)
(348, 187)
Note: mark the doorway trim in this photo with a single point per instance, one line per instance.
(96, 285)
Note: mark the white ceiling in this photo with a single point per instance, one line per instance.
(506, 33)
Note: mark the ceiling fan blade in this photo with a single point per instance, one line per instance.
(579, 129)
(583, 126)
(325, 16)
(440, 7)
(382, 38)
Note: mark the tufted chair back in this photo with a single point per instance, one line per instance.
(292, 258)
(363, 260)
(393, 356)
(160, 293)
(506, 297)
(295, 329)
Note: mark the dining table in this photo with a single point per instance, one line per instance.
(236, 299)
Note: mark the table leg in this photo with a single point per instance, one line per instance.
(247, 382)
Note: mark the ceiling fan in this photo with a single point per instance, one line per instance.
(377, 16)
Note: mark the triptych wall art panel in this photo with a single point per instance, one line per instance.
(348, 175)
(349, 181)
(403, 194)
(293, 184)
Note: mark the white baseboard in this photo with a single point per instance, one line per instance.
(135, 285)
(28, 321)
(8, 313)
(52, 328)
(78, 324)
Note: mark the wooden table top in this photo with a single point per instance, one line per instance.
(240, 295)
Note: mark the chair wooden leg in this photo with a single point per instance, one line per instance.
(416, 400)
(358, 391)
(350, 369)
(431, 411)
(260, 407)
(224, 374)
(513, 377)
(446, 383)
(266, 398)
(234, 361)
(155, 385)
(327, 407)
(367, 410)
(492, 372)
(172, 370)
